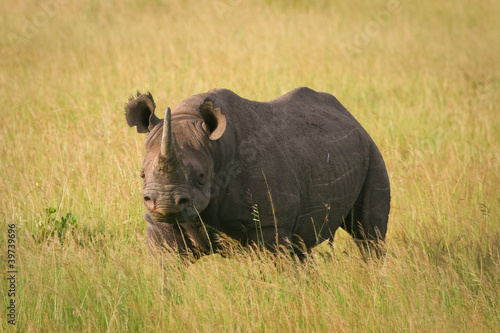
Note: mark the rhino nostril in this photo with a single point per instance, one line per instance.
(182, 203)
(149, 202)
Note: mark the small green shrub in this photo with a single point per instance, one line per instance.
(53, 227)
(63, 226)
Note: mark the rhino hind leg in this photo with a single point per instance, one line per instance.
(367, 220)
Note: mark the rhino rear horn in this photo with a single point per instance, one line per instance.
(140, 112)
(214, 122)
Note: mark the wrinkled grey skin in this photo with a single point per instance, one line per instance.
(302, 160)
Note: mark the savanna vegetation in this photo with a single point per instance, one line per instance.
(422, 77)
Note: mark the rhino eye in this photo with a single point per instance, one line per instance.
(202, 179)
(142, 175)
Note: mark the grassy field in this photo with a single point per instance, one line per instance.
(422, 77)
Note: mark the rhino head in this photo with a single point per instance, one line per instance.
(178, 168)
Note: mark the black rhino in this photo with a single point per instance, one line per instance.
(300, 161)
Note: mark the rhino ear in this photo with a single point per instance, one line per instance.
(214, 122)
(140, 112)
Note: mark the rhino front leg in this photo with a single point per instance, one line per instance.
(164, 235)
(283, 240)
(185, 240)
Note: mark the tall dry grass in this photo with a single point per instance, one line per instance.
(422, 77)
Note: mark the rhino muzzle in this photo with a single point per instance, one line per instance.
(187, 215)
(175, 203)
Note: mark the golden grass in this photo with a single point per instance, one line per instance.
(422, 77)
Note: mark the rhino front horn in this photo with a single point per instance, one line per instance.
(167, 141)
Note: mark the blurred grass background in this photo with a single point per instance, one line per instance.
(422, 77)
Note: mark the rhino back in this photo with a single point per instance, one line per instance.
(305, 149)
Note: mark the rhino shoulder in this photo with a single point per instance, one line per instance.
(308, 96)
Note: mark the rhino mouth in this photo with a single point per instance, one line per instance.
(186, 216)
